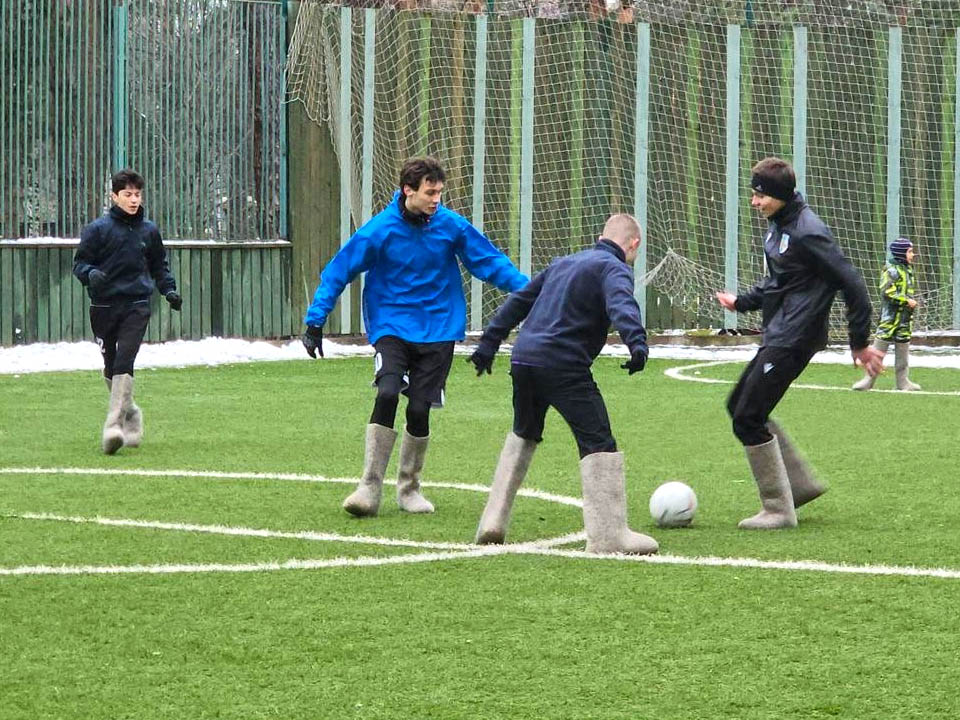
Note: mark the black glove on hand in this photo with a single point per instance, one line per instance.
(312, 340)
(96, 279)
(636, 363)
(176, 302)
(482, 360)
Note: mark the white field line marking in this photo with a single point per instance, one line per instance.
(677, 373)
(243, 531)
(518, 549)
(295, 477)
(751, 563)
(240, 568)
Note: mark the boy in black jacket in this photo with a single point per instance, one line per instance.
(568, 309)
(121, 260)
(805, 270)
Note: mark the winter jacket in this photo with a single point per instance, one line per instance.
(413, 288)
(897, 286)
(129, 250)
(805, 270)
(569, 308)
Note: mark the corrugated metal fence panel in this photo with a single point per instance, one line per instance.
(228, 289)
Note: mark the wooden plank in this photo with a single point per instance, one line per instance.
(245, 295)
(67, 282)
(254, 289)
(206, 283)
(175, 318)
(30, 296)
(80, 323)
(279, 299)
(41, 284)
(290, 322)
(6, 296)
(54, 278)
(196, 295)
(236, 292)
(266, 293)
(216, 293)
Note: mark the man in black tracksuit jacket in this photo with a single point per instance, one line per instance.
(568, 309)
(805, 270)
(120, 260)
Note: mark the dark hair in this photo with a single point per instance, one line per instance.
(125, 178)
(777, 173)
(416, 169)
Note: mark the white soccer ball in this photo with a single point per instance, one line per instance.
(673, 504)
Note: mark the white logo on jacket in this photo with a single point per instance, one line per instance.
(784, 243)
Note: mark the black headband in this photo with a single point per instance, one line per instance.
(769, 186)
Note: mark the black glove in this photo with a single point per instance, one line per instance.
(482, 360)
(176, 302)
(312, 340)
(96, 279)
(635, 363)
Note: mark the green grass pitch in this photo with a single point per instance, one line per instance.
(256, 596)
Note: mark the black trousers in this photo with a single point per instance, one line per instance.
(419, 371)
(575, 396)
(119, 331)
(761, 386)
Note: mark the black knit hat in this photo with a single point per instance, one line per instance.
(898, 249)
(776, 187)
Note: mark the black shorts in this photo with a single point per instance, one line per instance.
(575, 396)
(422, 367)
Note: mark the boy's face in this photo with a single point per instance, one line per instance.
(910, 255)
(765, 204)
(128, 199)
(426, 199)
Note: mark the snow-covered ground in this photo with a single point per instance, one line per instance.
(47, 357)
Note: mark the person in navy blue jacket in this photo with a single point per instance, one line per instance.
(805, 270)
(567, 311)
(413, 310)
(121, 260)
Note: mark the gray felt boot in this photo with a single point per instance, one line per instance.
(365, 500)
(413, 451)
(803, 483)
(866, 383)
(132, 419)
(901, 354)
(605, 507)
(112, 439)
(770, 473)
(507, 478)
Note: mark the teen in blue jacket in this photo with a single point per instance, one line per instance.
(413, 310)
(121, 260)
(567, 311)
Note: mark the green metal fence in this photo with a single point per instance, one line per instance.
(188, 92)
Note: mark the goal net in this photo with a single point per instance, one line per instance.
(535, 108)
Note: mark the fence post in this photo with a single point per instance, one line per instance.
(120, 85)
(526, 147)
(346, 186)
(800, 107)
(732, 167)
(369, 76)
(894, 87)
(641, 147)
(956, 192)
(479, 157)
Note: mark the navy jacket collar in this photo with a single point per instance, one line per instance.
(117, 214)
(611, 247)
